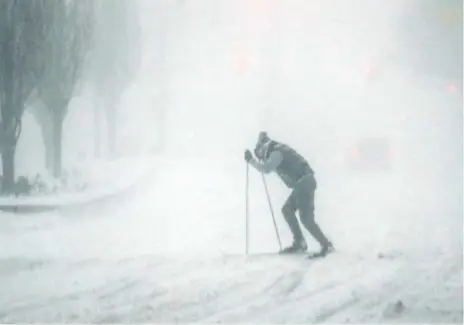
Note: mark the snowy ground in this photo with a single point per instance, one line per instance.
(174, 253)
(88, 181)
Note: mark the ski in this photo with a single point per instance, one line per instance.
(317, 256)
(304, 255)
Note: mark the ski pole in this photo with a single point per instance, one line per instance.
(272, 211)
(247, 183)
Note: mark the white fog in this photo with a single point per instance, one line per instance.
(155, 230)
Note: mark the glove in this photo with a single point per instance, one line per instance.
(248, 156)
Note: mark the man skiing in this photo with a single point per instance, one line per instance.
(296, 173)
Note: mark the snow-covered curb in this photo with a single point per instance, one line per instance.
(134, 171)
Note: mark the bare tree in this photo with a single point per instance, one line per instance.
(115, 59)
(22, 31)
(67, 44)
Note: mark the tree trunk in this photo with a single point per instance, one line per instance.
(8, 109)
(42, 116)
(57, 143)
(47, 136)
(49, 153)
(8, 168)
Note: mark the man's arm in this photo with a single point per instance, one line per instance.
(269, 165)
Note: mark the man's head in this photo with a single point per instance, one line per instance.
(262, 145)
(263, 137)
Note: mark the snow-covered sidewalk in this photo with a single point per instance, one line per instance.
(87, 182)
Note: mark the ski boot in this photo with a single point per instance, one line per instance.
(298, 246)
(326, 249)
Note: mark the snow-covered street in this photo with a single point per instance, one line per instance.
(366, 92)
(137, 261)
(342, 288)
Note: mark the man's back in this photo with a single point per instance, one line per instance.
(291, 166)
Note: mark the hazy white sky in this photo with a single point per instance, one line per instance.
(318, 75)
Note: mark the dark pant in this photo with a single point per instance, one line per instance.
(302, 199)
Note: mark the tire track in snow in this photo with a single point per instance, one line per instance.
(160, 291)
(111, 295)
(37, 303)
(168, 278)
(186, 300)
(228, 301)
(276, 297)
(407, 279)
(113, 282)
(375, 299)
(261, 304)
(204, 297)
(297, 310)
(326, 314)
(422, 283)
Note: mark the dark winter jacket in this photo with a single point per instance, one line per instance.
(284, 160)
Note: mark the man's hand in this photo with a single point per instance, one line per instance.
(248, 156)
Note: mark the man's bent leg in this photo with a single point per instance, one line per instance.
(289, 212)
(305, 203)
